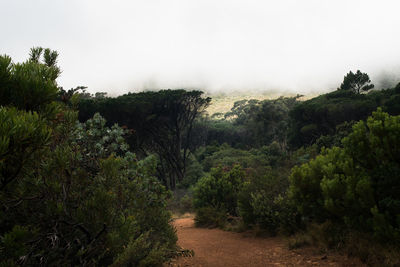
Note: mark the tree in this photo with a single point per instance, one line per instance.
(356, 82)
(322, 115)
(161, 122)
(30, 85)
(262, 122)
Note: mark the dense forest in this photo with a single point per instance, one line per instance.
(92, 180)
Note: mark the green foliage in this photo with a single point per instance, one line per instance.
(94, 197)
(356, 82)
(71, 193)
(328, 141)
(356, 185)
(219, 189)
(194, 172)
(261, 199)
(22, 135)
(14, 242)
(91, 196)
(326, 115)
(262, 122)
(263, 202)
(30, 85)
(141, 252)
(255, 161)
(228, 156)
(223, 131)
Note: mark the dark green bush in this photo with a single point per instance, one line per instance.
(219, 189)
(72, 194)
(78, 203)
(357, 185)
(215, 196)
(263, 202)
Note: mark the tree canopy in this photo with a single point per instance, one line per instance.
(160, 122)
(356, 82)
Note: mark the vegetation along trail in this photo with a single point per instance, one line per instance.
(215, 247)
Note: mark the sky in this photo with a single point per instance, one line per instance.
(296, 46)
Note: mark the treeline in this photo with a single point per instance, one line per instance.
(330, 114)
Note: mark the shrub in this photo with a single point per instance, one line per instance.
(79, 203)
(263, 202)
(215, 196)
(219, 189)
(356, 185)
(72, 194)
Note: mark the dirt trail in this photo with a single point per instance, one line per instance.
(214, 247)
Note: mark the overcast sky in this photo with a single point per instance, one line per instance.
(119, 46)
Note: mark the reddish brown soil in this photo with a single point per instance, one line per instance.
(214, 247)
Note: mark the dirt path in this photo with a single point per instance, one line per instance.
(214, 247)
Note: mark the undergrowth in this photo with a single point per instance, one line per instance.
(326, 237)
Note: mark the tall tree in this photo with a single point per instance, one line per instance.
(161, 122)
(356, 82)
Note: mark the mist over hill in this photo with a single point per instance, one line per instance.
(303, 47)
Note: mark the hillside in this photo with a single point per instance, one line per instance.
(223, 102)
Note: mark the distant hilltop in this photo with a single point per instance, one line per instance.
(222, 102)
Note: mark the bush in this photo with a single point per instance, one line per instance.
(72, 194)
(86, 201)
(215, 196)
(219, 189)
(263, 202)
(357, 185)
